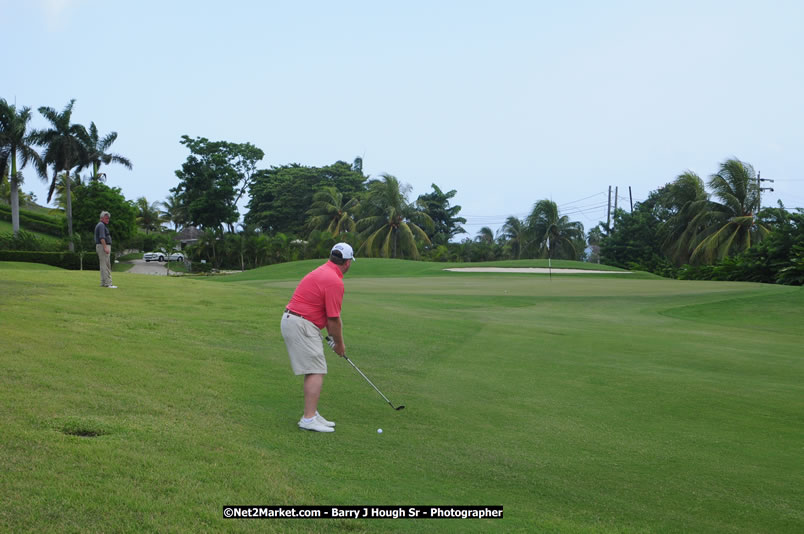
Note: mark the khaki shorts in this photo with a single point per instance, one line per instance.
(305, 345)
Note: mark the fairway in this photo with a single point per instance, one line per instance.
(581, 403)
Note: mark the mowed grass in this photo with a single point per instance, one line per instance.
(581, 404)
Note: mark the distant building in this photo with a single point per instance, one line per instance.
(189, 235)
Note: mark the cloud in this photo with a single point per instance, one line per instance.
(57, 12)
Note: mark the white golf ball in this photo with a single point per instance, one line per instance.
(379, 431)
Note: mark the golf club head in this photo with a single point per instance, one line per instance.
(400, 407)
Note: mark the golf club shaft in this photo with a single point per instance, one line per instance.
(367, 380)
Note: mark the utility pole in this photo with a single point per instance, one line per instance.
(616, 189)
(761, 189)
(608, 213)
(631, 199)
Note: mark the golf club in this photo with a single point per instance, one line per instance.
(329, 340)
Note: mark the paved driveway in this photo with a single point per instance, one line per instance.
(148, 267)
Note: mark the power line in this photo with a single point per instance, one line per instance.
(520, 215)
(582, 199)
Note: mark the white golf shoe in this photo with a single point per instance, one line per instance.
(315, 425)
(320, 419)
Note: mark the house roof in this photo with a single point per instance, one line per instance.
(189, 233)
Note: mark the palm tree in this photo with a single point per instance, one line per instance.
(96, 152)
(554, 235)
(514, 231)
(685, 198)
(731, 224)
(148, 215)
(593, 239)
(388, 225)
(206, 245)
(60, 194)
(15, 143)
(484, 248)
(173, 211)
(328, 212)
(63, 150)
(485, 236)
(280, 248)
(260, 247)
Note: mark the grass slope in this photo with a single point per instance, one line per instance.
(581, 404)
(4, 265)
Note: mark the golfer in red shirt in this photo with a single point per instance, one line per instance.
(316, 304)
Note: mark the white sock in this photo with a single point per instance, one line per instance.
(306, 420)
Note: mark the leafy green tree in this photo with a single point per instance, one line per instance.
(446, 223)
(212, 179)
(793, 274)
(389, 224)
(554, 235)
(97, 154)
(63, 151)
(281, 196)
(329, 212)
(632, 242)
(16, 146)
(94, 197)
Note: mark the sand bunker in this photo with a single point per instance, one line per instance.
(536, 270)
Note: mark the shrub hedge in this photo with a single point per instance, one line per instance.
(65, 260)
(37, 222)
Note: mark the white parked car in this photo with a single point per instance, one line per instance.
(161, 256)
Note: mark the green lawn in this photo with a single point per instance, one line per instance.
(585, 403)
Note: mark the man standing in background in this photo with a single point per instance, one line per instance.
(103, 246)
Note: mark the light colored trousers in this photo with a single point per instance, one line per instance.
(305, 345)
(105, 265)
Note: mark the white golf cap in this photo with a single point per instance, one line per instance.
(345, 249)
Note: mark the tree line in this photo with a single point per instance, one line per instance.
(683, 230)
(301, 205)
(296, 211)
(310, 205)
(63, 148)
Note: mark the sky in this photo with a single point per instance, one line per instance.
(507, 102)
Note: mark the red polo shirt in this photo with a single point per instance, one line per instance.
(319, 295)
